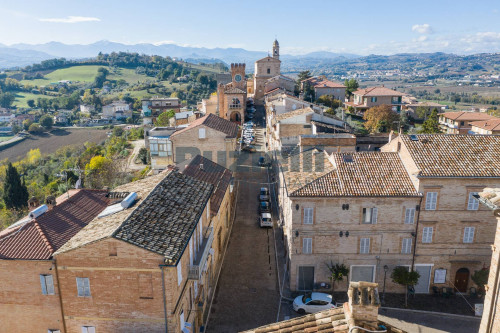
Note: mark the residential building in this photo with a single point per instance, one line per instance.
(183, 118)
(312, 81)
(151, 255)
(331, 143)
(232, 97)
(490, 322)
(460, 122)
(61, 118)
(356, 209)
(210, 136)
(282, 102)
(209, 105)
(363, 99)
(6, 117)
(18, 119)
(265, 69)
(411, 108)
(153, 107)
(116, 110)
(280, 82)
(327, 87)
(486, 127)
(31, 298)
(160, 147)
(87, 108)
(454, 233)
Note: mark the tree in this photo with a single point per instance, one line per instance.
(403, 118)
(46, 122)
(350, 86)
(117, 131)
(380, 118)
(480, 278)
(329, 101)
(163, 118)
(337, 273)
(35, 128)
(27, 123)
(421, 112)
(304, 75)
(15, 194)
(401, 275)
(431, 125)
(31, 103)
(6, 99)
(100, 172)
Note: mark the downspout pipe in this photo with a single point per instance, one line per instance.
(416, 234)
(54, 262)
(164, 297)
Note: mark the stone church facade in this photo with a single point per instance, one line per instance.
(265, 69)
(233, 95)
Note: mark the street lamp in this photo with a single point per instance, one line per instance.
(386, 268)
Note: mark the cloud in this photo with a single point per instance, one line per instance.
(483, 37)
(70, 19)
(422, 28)
(163, 42)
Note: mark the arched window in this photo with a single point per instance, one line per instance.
(235, 103)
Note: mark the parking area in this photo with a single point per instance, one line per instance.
(247, 294)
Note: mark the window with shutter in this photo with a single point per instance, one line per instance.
(410, 215)
(364, 245)
(431, 201)
(54, 331)
(308, 215)
(370, 215)
(179, 273)
(83, 287)
(307, 245)
(469, 234)
(181, 319)
(47, 284)
(427, 234)
(473, 203)
(88, 329)
(406, 248)
(201, 133)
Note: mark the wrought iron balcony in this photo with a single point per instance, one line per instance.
(196, 270)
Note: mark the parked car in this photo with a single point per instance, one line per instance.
(264, 207)
(263, 162)
(264, 194)
(249, 148)
(313, 302)
(265, 220)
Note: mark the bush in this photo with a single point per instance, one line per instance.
(35, 128)
(46, 121)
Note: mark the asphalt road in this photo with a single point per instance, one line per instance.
(247, 294)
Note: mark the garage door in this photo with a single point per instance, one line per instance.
(422, 286)
(362, 273)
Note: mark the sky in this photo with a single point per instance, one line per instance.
(359, 27)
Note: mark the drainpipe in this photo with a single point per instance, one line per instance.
(54, 262)
(416, 235)
(164, 298)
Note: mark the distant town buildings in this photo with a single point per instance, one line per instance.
(363, 99)
(153, 107)
(461, 122)
(118, 110)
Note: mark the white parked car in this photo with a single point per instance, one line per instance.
(265, 220)
(313, 302)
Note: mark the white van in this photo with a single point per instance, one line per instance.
(265, 220)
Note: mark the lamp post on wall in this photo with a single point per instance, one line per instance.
(386, 268)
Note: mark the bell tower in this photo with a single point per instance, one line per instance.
(238, 76)
(276, 49)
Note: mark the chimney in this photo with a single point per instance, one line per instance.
(33, 203)
(201, 166)
(50, 201)
(362, 308)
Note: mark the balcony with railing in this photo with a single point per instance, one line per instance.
(200, 260)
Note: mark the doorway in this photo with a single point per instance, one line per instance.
(462, 280)
(235, 117)
(306, 278)
(422, 286)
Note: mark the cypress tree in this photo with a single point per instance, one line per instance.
(15, 194)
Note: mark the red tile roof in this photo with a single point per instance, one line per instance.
(214, 122)
(377, 91)
(39, 238)
(328, 84)
(490, 125)
(467, 116)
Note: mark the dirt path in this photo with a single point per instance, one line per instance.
(131, 165)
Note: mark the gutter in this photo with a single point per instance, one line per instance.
(416, 234)
(60, 296)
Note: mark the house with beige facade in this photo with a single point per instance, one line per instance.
(153, 107)
(210, 136)
(152, 254)
(363, 99)
(454, 232)
(486, 127)
(460, 122)
(330, 88)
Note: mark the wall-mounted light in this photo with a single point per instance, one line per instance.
(413, 234)
(341, 234)
(347, 233)
(297, 207)
(296, 233)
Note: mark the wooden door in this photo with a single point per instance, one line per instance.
(462, 280)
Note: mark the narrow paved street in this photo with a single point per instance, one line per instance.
(247, 295)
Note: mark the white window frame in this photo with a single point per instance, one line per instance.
(405, 247)
(364, 245)
(179, 273)
(53, 331)
(374, 271)
(47, 284)
(85, 292)
(308, 215)
(469, 235)
(371, 213)
(88, 329)
(431, 200)
(472, 203)
(181, 320)
(202, 133)
(306, 245)
(427, 234)
(410, 215)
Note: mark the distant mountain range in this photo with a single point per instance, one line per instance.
(19, 55)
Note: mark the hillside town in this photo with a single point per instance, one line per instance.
(277, 203)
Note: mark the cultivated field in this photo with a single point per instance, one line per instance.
(50, 142)
(22, 98)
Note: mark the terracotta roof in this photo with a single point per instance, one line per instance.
(211, 173)
(167, 212)
(294, 113)
(359, 174)
(377, 91)
(332, 320)
(446, 155)
(328, 84)
(39, 238)
(490, 125)
(467, 116)
(491, 196)
(214, 122)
